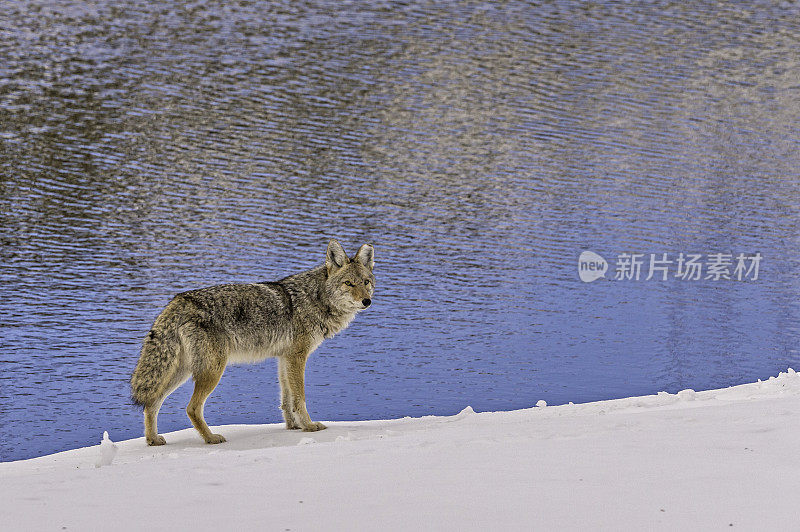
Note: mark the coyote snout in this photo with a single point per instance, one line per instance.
(202, 331)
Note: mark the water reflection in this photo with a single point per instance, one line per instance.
(152, 148)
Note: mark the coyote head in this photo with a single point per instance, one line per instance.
(350, 281)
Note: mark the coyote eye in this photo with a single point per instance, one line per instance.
(366, 282)
(348, 283)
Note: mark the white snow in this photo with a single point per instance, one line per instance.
(709, 460)
(108, 450)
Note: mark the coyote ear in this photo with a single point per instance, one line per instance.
(335, 257)
(366, 256)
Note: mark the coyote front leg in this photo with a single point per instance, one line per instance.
(286, 403)
(294, 375)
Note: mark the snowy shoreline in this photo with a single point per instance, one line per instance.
(692, 460)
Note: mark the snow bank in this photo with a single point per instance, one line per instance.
(692, 460)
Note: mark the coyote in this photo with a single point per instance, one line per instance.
(202, 331)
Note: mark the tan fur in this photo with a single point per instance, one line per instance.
(200, 332)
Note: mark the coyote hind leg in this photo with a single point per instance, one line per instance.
(150, 425)
(151, 434)
(204, 384)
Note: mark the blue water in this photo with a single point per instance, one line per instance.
(155, 148)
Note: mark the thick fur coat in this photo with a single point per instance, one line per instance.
(201, 331)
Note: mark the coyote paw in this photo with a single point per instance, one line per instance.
(158, 440)
(216, 438)
(291, 425)
(314, 427)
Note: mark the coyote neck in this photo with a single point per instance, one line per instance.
(313, 308)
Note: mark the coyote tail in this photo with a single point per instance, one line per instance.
(156, 367)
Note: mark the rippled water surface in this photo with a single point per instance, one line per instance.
(149, 148)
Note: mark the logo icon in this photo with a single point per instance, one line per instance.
(591, 266)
